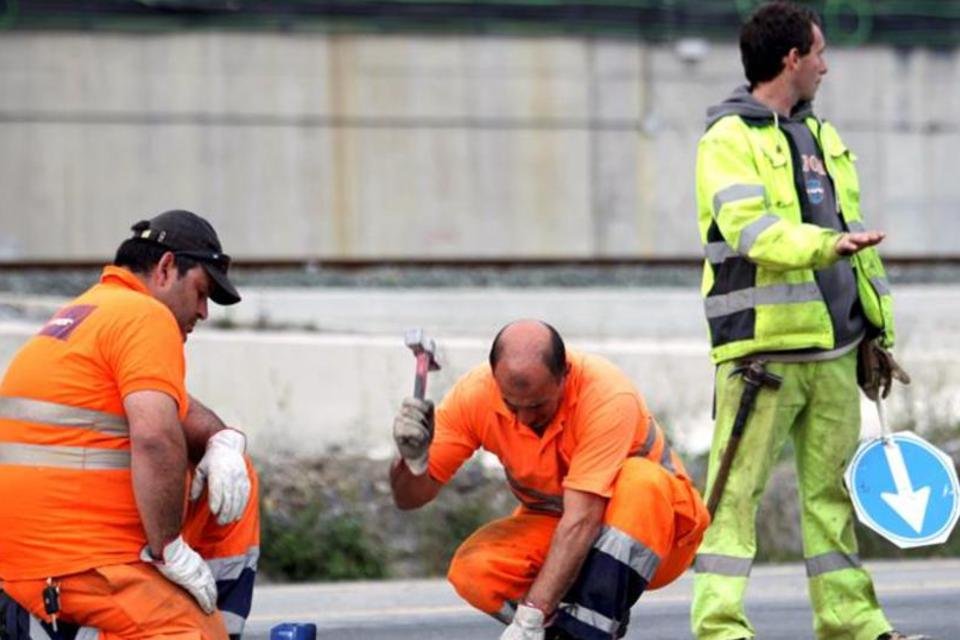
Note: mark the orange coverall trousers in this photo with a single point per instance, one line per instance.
(135, 601)
(653, 525)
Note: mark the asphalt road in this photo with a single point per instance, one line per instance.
(918, 596)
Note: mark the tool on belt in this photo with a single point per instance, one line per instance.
(51, 601)
(755, 377)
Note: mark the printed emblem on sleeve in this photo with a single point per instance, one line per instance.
(65, 321)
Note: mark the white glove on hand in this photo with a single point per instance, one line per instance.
(225, 471)
(527, 625)
(184, 566)
(413, 432)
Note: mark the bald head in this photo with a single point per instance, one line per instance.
(529, 363)
(529, 344)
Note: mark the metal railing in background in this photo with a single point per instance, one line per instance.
(905, 23)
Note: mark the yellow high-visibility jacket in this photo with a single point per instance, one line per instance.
(760, 294)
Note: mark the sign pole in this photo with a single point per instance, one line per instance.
(882, 414)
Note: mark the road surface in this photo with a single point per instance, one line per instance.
(918, 595)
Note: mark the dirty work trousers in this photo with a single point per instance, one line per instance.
(818, 407)
(135, 601)
(652, 526)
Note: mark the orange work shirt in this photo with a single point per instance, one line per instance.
(111, 341)
(601, 421)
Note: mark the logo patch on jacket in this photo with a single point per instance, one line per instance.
(65, 321)
(815, 190)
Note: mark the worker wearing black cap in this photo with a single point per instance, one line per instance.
(98, 436)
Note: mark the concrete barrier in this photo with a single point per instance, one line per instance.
(336, 388)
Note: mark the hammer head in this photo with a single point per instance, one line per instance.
(755, 373)
(420, 345)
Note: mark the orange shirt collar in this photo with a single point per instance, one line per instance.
(123, 277)
(571, 390)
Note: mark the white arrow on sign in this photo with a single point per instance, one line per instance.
(909, 504)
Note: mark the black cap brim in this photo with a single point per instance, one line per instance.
(223, 293)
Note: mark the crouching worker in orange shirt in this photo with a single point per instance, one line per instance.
(607, 510)
(118, 488)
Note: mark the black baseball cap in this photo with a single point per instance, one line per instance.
(187, 234)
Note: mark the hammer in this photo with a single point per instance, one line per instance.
(425, 351)
(755, 377)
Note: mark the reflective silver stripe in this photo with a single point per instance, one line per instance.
(35, 455)
(38, 632)
(233, 622)
(649, 441)
(724, 305)
(653, 429)
(856, 226)
(882, 285)
(506, 613)
(734, 193)
(87, 633)
(832, 561)
(723, 565)
(592, 618)
(620, 546)
(717, 252)
(230, 568)
(750, 233)
(540, 502)
(666, 460)
(61, 415)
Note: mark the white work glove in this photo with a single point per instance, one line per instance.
(528, 624)
(413, 432)
(225, 472)
(183, 566)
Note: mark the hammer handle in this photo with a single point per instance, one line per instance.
(722, 474)
(420, 379)
(750, 391)
(747, 398)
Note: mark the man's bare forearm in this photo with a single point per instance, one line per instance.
(158, 461)
(575, 534)
(158, 472)
(411, 491)
(199, 424)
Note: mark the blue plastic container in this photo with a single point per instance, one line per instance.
(294, 631)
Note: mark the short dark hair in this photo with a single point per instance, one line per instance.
(140, 256)
(770, 33)
(555, 359)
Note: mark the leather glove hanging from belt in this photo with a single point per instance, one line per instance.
(876, 370)
(413, 432)
(183, 566)
(225, 472)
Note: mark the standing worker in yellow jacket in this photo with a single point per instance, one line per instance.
(792, 280)
(129, 507)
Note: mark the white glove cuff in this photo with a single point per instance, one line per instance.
(229, 438)
(417, 467)
(169, 550)
(529, 617)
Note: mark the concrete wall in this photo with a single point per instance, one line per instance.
(310, 392)
(369, 146)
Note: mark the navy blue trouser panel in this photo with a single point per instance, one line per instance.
(605, 586)
(236, 596)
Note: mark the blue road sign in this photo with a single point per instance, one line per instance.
(905, 489)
